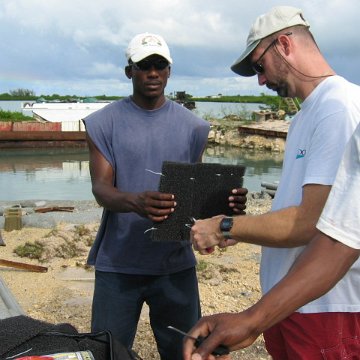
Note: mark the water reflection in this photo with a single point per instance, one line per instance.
(51, 174)
(33, 159)
(63, 174)
(260, 165)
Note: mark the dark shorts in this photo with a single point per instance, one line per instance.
(322, 336)
(172, 299)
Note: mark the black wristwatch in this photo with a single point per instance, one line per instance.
(226, 224)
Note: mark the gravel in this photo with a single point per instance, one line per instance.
(229, 280)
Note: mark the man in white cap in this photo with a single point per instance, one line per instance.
(128, 142)
(282, 52)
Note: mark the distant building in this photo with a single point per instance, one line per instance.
(218, 96)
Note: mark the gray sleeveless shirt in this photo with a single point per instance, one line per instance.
(135, 142)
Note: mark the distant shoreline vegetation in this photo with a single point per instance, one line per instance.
(264, 99)
(29, 95)
(268, 101)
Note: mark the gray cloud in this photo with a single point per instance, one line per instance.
(77, 47)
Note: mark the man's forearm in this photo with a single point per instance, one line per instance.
(112, 199)
(322, 264)
(283, 228)
(289, 227)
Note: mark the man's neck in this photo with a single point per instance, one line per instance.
(311, 85)
(148, 103)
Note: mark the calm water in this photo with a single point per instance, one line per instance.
(44, 174)
(11, 105)
(63, 174)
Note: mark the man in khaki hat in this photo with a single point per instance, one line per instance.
(283, 54)
(279, 18)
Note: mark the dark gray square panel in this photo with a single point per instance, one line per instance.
(201, 191)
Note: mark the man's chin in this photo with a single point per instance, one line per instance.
(282, 92)
(153, 94)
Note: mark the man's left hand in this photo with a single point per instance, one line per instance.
(237, 201)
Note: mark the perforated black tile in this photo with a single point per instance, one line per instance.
(201, 191)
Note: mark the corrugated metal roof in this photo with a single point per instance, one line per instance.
(8, 305)
(62, 112)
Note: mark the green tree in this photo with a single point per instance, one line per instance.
(22, 92)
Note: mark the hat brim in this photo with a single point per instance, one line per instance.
(145, 54)
(242, 66)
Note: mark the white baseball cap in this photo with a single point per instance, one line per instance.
(146, 44)
(278, 18)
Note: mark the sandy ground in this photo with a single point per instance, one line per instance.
(228, 280)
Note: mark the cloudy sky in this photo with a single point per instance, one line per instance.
(76, 47)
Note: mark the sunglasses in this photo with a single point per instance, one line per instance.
(146, 65)
(256, 65)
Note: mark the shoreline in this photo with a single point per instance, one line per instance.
(263, 134)
(84, 212)
(269, 135)
(89, 212)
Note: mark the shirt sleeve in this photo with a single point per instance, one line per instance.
(340, 218)
(99, 129)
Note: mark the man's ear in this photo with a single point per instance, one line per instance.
(169, 71)
(128, 71)
(285, 43)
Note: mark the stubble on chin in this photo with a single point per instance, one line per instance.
(282, 90)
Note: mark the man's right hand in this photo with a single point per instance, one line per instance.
(236, 331)
(205, 235)
(155, 205)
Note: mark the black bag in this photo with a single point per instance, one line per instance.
(24, 336)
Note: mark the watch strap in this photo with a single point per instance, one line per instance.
(226, 225)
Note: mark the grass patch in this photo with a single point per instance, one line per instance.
(201, 265)
(13, 116)
(30, 250)
(82, 230)
(82, 233)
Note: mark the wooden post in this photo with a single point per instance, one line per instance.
(23, 266)
(13, 219)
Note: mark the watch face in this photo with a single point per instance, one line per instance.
(226, 224)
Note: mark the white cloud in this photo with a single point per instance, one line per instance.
(79, 45)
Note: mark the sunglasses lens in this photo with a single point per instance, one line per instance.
(161, 65)
(142, 65)
(146, 65)
(258, 68)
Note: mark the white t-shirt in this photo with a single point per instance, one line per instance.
(340, 218)
(315, 144)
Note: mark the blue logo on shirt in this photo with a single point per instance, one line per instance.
(301, 153)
